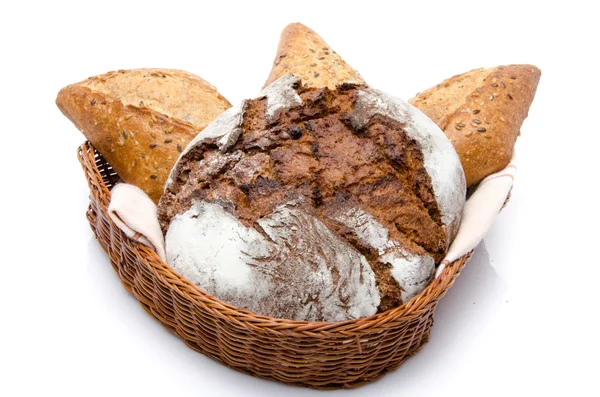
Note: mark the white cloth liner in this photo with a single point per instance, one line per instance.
(135, 214)
(480, 212)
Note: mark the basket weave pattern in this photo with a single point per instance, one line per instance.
(315, 354)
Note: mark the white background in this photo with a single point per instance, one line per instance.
(522, 319)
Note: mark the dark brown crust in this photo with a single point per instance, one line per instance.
(481, 112)
(312, 151)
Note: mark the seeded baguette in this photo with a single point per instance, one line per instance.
(141, 119)
(481, 112)
(304, 54)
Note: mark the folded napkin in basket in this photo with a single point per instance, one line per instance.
(480, 212)
(134, 213)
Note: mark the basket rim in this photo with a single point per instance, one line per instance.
(89, 157)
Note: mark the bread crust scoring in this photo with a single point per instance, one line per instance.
(338, 182)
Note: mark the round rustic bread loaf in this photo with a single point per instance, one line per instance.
(314, 204)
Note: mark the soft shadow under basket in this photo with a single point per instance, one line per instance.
(314, 354)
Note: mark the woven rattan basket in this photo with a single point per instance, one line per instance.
(319, 355)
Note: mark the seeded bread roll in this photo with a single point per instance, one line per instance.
(141, 119)
(314, 204)
(482, 111)
(303, 53)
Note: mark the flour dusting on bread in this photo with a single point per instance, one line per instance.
(281, 95)
(225, 129)
(295, 266)
(440, 158)
(412, 271)
(333, 201)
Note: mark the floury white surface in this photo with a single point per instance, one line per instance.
(281, 95)
(227, 127)
(521, 318)
(412, 272)
(281, 272)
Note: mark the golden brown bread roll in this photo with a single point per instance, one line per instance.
(303, 53)
(481, 112)
(141, 119)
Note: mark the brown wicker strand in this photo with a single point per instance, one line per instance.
(314, 354)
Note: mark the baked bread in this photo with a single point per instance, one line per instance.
(481, 112)
(141, 119)
(304, 54)
(314, 204)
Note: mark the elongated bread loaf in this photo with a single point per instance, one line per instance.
(141, 119)
(481, 112)
(304, 54)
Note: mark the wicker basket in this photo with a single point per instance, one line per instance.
(319, 355)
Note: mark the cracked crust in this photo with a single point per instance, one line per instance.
(368, 185)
